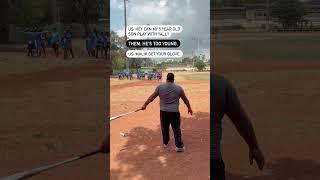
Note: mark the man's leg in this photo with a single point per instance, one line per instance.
(175, 124)
(106, 53)
(217, 169)
(56, 49)
(44, 51)
(39, 52)
(65, 53)
(97, 53)
(93, 53)
(71, 51)
(165, 124)
(29, 50)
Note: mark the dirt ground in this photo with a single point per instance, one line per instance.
(282, 97)
(282, 101)
(52, 110)
(139, 155)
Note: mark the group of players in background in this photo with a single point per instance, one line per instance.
(152, 75)
(38, 40)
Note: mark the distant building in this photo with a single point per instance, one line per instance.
(228, 16)
(254, 15)
(313, 11)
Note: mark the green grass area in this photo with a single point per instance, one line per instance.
(275, 47)
(197, 76)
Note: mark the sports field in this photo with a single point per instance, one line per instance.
(277, 77)
(52, 110)
(139, 155)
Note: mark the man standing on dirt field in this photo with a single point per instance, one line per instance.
(224, 100)
(169, 94)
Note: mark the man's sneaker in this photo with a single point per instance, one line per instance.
(180, 149)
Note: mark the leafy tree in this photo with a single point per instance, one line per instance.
(288, 12)
(118, 61)
(118, 51)
(161, 66)
(24, 13)
(88, 11)
(4, 11)
(187, 61)
(136, 63)
(199, 64)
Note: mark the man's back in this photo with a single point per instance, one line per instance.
(169, 94)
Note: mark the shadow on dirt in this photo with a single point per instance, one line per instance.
(286, 169)
(143, 157)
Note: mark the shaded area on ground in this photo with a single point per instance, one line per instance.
(286, 169)
(50, 112)
(15, 83)
(143, 157)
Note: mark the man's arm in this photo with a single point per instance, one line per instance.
(150, 99)
(186, 102)
(105, 145)
(244, 126)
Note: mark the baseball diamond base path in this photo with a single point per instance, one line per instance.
(139, 155)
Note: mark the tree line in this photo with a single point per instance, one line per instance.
(118, 56)
(41, 12)
(289, 13)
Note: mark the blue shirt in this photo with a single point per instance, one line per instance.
(65, 43)
(93, 41)
(55, 37)
(30, 36)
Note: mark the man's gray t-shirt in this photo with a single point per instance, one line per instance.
(169, 94)
(223, 100)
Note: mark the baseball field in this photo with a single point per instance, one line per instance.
(52, 110)
(277, 78)
(139, 154)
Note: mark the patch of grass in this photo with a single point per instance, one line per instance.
(197, 76)
(275, 47)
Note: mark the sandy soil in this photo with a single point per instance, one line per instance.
(52, 110)
(282, 100)
(139, 155)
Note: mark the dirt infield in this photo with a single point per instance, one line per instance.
(282, 98)
(52, 110)
(139, 155)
